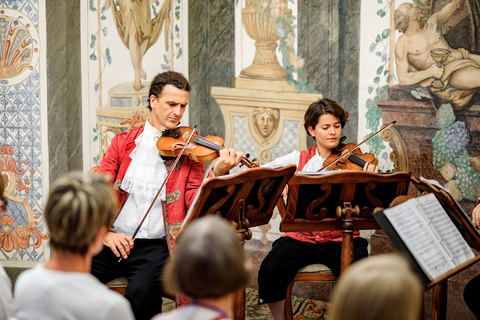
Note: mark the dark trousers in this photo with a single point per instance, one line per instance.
(289, 255)
(143, 268)
(471, 295)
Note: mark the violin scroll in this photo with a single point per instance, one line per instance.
(249, 163)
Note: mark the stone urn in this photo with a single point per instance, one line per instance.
(263, 30)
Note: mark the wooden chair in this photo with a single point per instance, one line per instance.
(342, 201)
(118, 285)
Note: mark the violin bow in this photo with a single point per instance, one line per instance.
(163, 184)
(355, 147)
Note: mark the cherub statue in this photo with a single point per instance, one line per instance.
(138, 31)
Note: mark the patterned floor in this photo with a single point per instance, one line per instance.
(303, 309)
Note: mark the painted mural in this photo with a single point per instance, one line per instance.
(22, 232)
(128, 44)
(432, 84)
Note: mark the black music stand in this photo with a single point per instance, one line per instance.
(469, 233)
(340, 201)
(247, 199)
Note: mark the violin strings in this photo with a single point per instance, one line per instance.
(204, 142)
(357, 160)
(208, 144)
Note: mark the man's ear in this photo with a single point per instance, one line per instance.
(152, 98)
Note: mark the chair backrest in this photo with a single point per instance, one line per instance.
(315, 203)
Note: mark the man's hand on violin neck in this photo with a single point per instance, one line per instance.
(119, 243)
(227, 160)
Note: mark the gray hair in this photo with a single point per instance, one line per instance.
(208, 262)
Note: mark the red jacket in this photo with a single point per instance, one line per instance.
(315, 236)
(181, 187)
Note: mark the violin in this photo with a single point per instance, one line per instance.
(200, 149)
(355, 161)
(347, 153)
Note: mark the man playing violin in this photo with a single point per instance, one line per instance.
(324, 120)
(137, 172)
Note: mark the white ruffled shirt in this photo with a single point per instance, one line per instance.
(143, 179)
(314, 164)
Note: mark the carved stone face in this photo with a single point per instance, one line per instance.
(266, 121)
(265, 124)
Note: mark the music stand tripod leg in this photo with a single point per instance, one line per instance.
(347, 237)
(439, 301)
(245, 234)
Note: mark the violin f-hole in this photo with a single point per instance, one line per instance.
(178, 145)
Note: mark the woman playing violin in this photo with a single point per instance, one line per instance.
(324, 121)
(137, 171)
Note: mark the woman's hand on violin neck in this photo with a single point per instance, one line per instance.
(370, 167)
(227, 160)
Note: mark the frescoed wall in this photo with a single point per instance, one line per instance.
(435, 104)
(23, 131)
(98, 76)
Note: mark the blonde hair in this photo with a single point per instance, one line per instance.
(79, 204)
(208, 262)
(378, 288)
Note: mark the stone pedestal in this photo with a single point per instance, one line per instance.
(241, 108)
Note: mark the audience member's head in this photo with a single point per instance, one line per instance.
(208, 262)
(378, 288)
(78, 206)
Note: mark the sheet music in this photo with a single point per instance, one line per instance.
(443, 226)
(419, 239)
(439, 186)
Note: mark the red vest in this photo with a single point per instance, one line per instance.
(181, 188)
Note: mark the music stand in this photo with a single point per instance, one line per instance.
(247, 199)
(340, 201)
(468, 231)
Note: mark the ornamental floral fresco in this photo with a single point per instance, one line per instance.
(22, 232)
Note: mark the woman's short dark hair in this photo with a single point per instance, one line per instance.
(162, 79)
(208, 261)
(321, 107)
